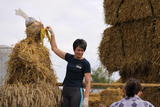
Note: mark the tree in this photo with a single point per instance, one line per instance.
(100, 75)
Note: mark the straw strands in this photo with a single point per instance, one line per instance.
(132, 44)
(29, 95)
(132, 48)
(152, 95)
(119, 11)
(30, 80)
(110, 95)
(29, 63)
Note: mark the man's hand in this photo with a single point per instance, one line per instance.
(50, 30)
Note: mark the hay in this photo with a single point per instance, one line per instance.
(94, 100)
(111, 46)
(111, 11)
(155, 7)
(132, 48)
(152, 95)
(29, 62)
(119, 11)
(32, 95)
(30, 80)
(111, 95)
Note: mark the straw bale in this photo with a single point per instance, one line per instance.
(143, 62)
(136, 53)
(111, 8)
(119, 11)
(126, 43)
(29, 63)
(110, 49)
(29, 95)
(110, 95)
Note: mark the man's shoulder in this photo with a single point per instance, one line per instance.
(148, 104)
(139, 102)
(116, 104)
(85, 61)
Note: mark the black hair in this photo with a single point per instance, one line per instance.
(81, 43)
(132, 87)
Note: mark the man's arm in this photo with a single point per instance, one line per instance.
(87, 89)
(54, 47)
(87, 84)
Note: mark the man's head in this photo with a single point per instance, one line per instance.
(79, 47)
(132, 87)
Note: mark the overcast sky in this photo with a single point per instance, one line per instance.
(70, 19)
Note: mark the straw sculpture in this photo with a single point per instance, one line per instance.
(30, 79)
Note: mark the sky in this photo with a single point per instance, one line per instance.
(70, 19)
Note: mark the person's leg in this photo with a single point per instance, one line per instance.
(76, 98)
(65, 98)
(65, 102)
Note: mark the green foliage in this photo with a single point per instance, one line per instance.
(100, 75)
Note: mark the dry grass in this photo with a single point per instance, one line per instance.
(30, 80)
(94, 100)
(111, 95)
(132, 48)
(30, 62)
(29, 95)
(119, 11)
(111, 46)
(152, 95)
(156, 7)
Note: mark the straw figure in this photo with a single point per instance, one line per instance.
(30, 79)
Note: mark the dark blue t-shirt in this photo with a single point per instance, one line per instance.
(75, 71)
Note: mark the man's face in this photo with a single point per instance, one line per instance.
(78, 52)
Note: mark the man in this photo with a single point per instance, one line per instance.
(132, 90)
(77, 68)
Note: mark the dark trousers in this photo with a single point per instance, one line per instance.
(72, 97)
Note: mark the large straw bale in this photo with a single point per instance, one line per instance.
(29, 95)
(29, 62)
(119, 11)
